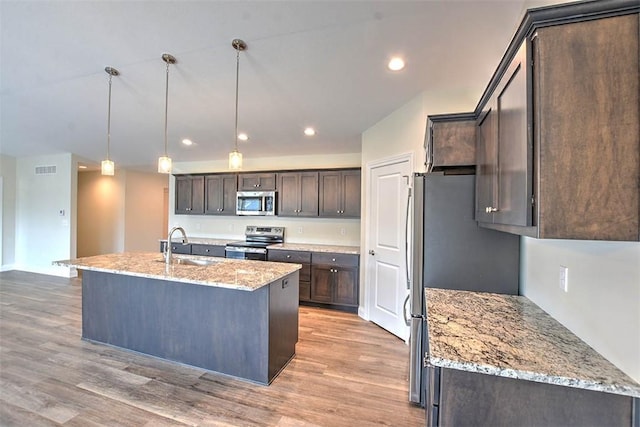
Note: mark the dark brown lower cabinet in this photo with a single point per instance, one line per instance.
(327, 279)
(194, 249)
(176, 248)
(460, 398)
(335, 279)
(207, 250)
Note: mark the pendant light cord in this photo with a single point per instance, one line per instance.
(109, 122)
(166, 109)
(237, 80)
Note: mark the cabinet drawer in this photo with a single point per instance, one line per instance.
(289, 256)
(179, 248)
(347, 260)
(207, 250)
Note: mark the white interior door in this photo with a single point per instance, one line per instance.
(387, 244)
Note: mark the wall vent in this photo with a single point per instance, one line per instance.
(46, 170)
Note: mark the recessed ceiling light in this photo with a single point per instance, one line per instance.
(243, 136)
(187, 142)
(82, 167)
(396, 64)
(309, 131)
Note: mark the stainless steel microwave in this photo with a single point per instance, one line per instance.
(256, 203)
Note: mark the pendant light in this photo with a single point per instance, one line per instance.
(164, 162)
(235, 157)
(108, 167)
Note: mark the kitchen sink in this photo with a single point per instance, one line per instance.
(193, 261)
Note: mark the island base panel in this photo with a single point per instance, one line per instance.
(249, 335)
(474, 399)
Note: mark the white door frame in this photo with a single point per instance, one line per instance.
(363, 310)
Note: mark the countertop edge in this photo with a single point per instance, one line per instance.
(533, 376)
(313, 247)
(172, 278)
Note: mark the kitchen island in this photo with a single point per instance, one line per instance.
(501, 360)
(235, 317)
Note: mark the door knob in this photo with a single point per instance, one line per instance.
(372, 252)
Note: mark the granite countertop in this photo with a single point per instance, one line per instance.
(510, 336)
(355, 250)
(204, 241)
(225, 273)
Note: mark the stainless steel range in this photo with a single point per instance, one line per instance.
(255, 244)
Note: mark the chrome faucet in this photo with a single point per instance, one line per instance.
(168, 256)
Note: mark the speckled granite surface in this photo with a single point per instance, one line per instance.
(316, 248)
(510, 336)
(227, 273)
(205, 241)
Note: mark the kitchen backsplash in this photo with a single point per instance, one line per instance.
(297, 230)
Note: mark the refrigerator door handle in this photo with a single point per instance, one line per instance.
(406, 239)
(407, 319)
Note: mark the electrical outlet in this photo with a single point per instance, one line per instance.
(198, 226)
(343, 232)
(299, 230)
(564, 278)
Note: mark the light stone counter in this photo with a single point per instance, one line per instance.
(204, 241)
(510, 336)
(355, 250)
(225, 273)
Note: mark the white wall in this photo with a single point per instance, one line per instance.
(144, 211)
(8, 242)
(44, 235)
(101, 212)
(602, 305)
(297, 230)
(120, 213)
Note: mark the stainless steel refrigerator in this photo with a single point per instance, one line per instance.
(450, 251)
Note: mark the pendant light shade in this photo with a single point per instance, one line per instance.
(235, 157)
(108, 167)
(164, 162)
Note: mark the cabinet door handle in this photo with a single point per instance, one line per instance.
(490, 209)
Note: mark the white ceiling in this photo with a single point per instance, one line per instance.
(308, 63)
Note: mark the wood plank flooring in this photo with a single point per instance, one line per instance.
(347, 372)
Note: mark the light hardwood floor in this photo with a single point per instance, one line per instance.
(347, 372)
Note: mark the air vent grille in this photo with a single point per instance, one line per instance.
(46, 170)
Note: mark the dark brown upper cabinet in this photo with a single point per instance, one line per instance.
(220, 194)
(257, 181)
(450, 141)
(339, 193)
(503, 170)
(558, 136)
(298, 194)
(189, 195)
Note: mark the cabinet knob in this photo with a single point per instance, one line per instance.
(372, 252)
(333, 259)
(288, 256)
(206, 250)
